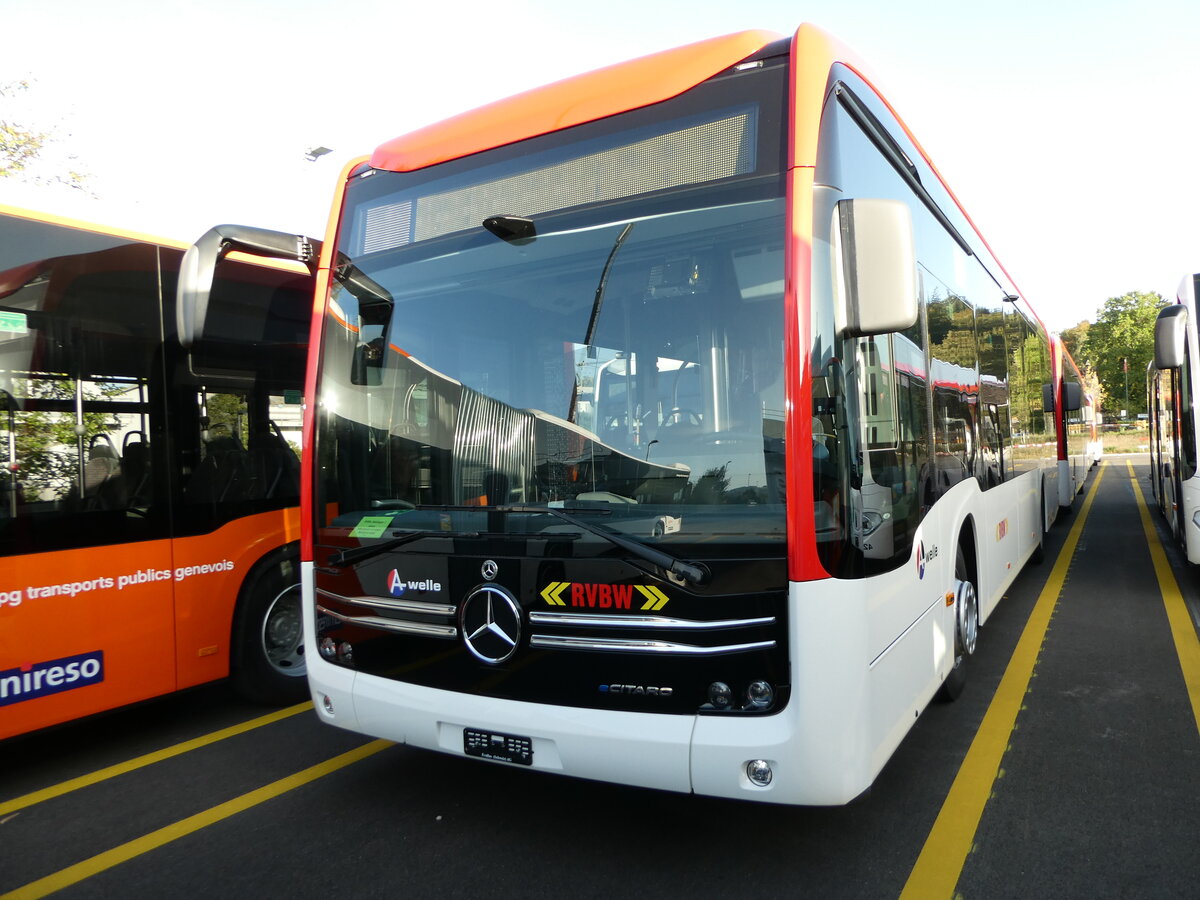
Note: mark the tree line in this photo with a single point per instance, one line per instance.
(1114, 351)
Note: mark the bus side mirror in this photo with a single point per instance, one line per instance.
(199, 266)
(366, 366)
(879, 265)
(1072, 396)
(1169, 330)
(374, 316)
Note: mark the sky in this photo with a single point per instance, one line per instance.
(1064, 129)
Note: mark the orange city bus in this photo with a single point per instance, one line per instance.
(672, 426)
(148, 498)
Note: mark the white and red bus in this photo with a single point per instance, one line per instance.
(673, 426)
(1079, 444)
(1171, 403)
(149, 496)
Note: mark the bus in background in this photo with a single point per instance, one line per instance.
(1079, 444)
(674, 427)
(1171, 402)
(149, 496)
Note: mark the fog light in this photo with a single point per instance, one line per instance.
(719, 695)
(345, 653)
(760, 695)
(328, 647)
(759, 772)
(327, 704)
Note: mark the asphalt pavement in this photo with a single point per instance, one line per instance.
(1095, 795)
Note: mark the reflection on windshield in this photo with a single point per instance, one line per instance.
(636, 366)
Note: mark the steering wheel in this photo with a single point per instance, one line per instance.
(679, 416)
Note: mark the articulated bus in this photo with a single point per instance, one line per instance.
(149, 498)
(1171, 403)
(673, 426)
(1079, 444)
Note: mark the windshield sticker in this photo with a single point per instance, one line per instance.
(603, 596)
(371, 527)
(14, 322)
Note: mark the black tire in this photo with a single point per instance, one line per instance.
(1177, 526)
(267, 664)
(966, 627)
(1039, 552)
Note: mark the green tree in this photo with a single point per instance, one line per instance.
(1119, 345)
(22, 148)
(47, 444)
(1075, 340)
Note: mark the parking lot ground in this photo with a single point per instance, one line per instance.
(1093, 793)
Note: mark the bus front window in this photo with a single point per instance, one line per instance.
(551, 326)
(645, 373)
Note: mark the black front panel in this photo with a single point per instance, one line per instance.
(600, 633)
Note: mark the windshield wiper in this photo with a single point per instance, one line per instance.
(358, 554)
(689, 572)
(693, 574)
(598, 299)
(351, 555)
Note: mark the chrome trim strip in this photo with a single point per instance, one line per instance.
(403, 606)
(599, 620)
(635, 645)
(425, 629)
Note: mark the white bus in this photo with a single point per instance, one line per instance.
(673, 427)
(1170, 400)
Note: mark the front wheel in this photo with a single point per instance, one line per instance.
(966, 627)
(268, 637)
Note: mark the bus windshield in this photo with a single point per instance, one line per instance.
(489, 345)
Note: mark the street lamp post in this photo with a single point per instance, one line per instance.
(1125, 366)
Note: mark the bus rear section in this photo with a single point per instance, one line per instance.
(149, 518)
(1075, 415)
(672, 426)
(1171, 403)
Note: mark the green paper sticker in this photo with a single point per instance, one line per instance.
(14, 322)
(371, 527)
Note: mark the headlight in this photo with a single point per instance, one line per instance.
(719, 695)
(759, 695)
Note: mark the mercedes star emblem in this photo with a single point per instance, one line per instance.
(490, 569)
(491, 623)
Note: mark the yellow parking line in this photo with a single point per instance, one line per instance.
(57, 790)
(945, 852)
(1187, 646)
(127, 851)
